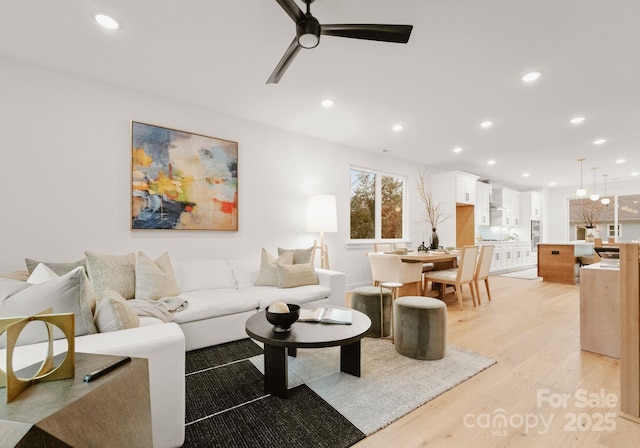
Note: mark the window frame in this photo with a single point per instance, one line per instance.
(378, 206)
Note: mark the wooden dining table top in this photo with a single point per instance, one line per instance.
(429, 257)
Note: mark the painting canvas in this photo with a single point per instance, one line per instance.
(182, 181)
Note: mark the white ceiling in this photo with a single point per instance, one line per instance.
(461, 66)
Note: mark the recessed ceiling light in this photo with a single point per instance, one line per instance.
(457, 149)
(107, 21)
(526, 174)
(531, 76)
(577, 120)
(486, 124)
(620, 161)
(635, 173)
(491, 162)
(552, 183)
(398, 127)
(599, 141)
(327, 102)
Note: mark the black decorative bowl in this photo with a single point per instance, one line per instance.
(282, 321)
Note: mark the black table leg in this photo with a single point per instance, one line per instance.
(350, 358)
(276, 378)
(293, 351)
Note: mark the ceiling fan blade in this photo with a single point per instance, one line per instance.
(284, 63)
(292, 9)
(387, 33)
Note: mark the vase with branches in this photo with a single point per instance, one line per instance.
(590, 213)
(433, 212)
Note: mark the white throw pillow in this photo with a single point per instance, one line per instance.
(115, 272)
(42, 273)
(70, 293)
(155, 279)
(196, 275)
(291, 276)
(113, 313)
(268, 275)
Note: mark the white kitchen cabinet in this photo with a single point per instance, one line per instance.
(465, 188)
(536, 205)
(483, 197)
(509, 201)
(512, 255)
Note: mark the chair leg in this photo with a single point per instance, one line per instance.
(473, 293)
(486, 284)
(475, 283)
(459, 294)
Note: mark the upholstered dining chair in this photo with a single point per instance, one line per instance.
(462, 275)
(481, 273)
(382, 247)
(389, 268)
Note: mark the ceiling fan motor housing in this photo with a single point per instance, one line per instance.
(308, 32)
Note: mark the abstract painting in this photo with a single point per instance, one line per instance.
(182, 181)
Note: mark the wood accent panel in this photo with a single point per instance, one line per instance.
(557, 263)
(465, 225)
(630, 331)
(600, 311)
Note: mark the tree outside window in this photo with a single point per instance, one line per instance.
(377, 210)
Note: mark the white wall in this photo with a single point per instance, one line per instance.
(65, 176)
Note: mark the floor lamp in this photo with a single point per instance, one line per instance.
(322, 217)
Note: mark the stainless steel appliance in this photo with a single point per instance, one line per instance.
(535, 235)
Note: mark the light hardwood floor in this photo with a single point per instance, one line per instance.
(532, 329)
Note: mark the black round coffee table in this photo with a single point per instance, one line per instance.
(305, 335)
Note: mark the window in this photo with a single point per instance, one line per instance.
(377, 205)
(612, 231)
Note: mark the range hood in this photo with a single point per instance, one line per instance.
(495, 203)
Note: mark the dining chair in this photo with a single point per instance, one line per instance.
(483, 265)
(462, 275)
(390, 268)
(382, 247)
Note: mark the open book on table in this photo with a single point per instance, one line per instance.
(326, 315)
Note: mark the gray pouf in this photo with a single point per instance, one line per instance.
(367, 300)
(420, 327)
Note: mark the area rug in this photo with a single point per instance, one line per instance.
(527, 274)
(226, 404)
(390, 386)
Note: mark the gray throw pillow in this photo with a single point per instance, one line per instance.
(58, 268)
(300, 256)
(116, 272)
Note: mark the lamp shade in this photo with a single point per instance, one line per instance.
(321, 214)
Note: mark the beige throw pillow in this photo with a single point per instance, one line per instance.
(268, 275)
(58, 268)
(155, 279)
(113, 313)
(300, 256)
(290, 276)
(115, 272)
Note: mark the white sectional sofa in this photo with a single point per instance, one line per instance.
(221, 295)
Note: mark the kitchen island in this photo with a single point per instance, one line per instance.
(559, 262)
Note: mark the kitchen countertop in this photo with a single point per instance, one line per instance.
(502, 241)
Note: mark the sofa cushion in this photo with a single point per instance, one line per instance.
(116, 272)
(58, 268)
(155, 279)
(268, 275)
(194, 275)
(291, 276)
(70, 293)
(300, 256)
(205, 304)
(302, 294)
(245, 271)
(113, 313)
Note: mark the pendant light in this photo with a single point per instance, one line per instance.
(605, 200)
(595, 196)
(581, 191)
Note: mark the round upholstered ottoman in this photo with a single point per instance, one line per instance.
(367, 300)
(420, 327)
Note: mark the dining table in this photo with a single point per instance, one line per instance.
(440, 260)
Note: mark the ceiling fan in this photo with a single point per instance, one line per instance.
(308, 31)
